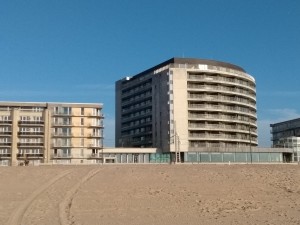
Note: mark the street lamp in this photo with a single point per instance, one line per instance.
(250, 143)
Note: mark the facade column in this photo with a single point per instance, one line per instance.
(15, 114)
(47, 135)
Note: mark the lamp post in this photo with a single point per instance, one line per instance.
(250, 147)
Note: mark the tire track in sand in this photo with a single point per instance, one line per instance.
(66, 204)
(17, 216)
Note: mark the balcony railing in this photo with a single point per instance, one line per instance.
(31, 122)
(137, 99)
(61, 155)
(137, 107)
(95, 146)
(95, 155)
(138, 89)
(31, 144)
(5, 143)
(220, 127)
(221, 99)
(5, 133)
(62, 134)
(223, 89)
(62, 124)
(95, 136)
(30, 155)
(100, 115)
(5, 155)
(221, 136)
(95, 125)
(221, 117)
(59, 145)
(27, 133)
(56, 113)
(222, 79)
(5, 122)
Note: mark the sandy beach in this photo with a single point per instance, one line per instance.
(150, 194)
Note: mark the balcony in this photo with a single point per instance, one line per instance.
(222, 89)
(5, 143)
(5, 122)
(220, 137)
(62, 135)
(95, 125)
(32, 144)
(229, 128)
(99, 115)
(25, 133)
(61, 156)
(5, 155)
(95, 156)
(136, 107)
(5, 133)
(60, 145)
(222, 80)
(222, 108)
(235, 119)
(215, 98)
(30, 156)
(95, 136)
(61, 113)
(95, 146)
(137, 90)
(62, 124)
(31, 122)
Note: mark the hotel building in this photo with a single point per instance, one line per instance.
(50, 133)
(187, 105)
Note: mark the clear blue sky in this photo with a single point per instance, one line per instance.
(74, 51)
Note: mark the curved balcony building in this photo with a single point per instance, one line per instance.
(188, 105)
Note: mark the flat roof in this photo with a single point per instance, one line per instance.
(283, 122)
(45, 104)
(191, 61)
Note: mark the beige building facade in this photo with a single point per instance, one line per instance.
(57, 133)
(186, 105)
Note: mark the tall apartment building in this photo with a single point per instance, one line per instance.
(286, 134)
(50, 132)
(186, 105)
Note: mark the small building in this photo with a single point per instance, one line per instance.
(152, 155)
(286, 134)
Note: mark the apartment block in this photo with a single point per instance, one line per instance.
(50, 133)
(185, 105)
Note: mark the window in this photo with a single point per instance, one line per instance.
(81, 142)
(81, 121)
(67, 110)
(82, 111)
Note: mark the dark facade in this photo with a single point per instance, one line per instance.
(290, 128)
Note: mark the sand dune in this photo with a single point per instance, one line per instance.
(150, 194)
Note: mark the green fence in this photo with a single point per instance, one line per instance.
(160, 158)
(238, 157)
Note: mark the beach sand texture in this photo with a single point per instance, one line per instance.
(150, 194)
